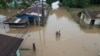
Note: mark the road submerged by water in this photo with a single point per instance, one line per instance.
(73, 40)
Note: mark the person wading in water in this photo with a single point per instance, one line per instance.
(58, 33)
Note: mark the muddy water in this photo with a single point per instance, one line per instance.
(9, 12)
(73, 40)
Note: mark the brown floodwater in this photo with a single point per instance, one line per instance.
(9, 12)
(73, 41)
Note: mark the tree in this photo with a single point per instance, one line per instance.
(49, 1)
(76, 3)
(3, 3)
(70, 3)
(83, 3)
(95, 1)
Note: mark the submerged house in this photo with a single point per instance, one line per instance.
(32, 13)
(9, 46)
(90, 17)
(35, 14)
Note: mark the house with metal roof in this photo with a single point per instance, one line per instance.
(90, 17)
(9, 45)
(35, 14)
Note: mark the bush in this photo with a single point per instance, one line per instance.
(1, 6)
(70, 3)
(76, 3)
(49, 2)
(83, 3)
(25, 5)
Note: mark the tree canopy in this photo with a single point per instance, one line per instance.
(76, 3)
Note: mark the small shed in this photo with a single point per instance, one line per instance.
(9, 45)
(90, 17)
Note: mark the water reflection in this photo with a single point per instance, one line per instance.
(8, 13)
(60, 14)
(57, 38)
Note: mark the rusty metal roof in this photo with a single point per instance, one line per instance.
(11, 20)
(31, 9)
(9, 45)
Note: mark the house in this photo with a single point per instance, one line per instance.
(35, 13)
(9, 45)
(90, 17)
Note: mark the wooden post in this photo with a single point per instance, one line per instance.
(34, 48)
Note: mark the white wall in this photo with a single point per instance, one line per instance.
(81, 17)
(97, 22)
(2, 18)
(87, 20)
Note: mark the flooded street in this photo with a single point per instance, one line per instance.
(73, 40)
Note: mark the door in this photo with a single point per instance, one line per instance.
(92, 22)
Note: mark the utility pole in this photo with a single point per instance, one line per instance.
(42, 13)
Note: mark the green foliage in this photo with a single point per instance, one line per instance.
(69, 3)
(61, 1)
(83, 3)
(49, 1)
(76, 3)
(95, 1)
(1, 6)
(25, 5)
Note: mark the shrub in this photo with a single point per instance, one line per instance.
(76, 3)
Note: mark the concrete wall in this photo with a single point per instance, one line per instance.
(87, 20)
(2, 18)
(97, 22)
(81, 17)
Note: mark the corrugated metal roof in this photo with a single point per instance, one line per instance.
(9, 45)
(32, 9)
(92, 14)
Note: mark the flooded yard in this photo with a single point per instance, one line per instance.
(73, 40)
